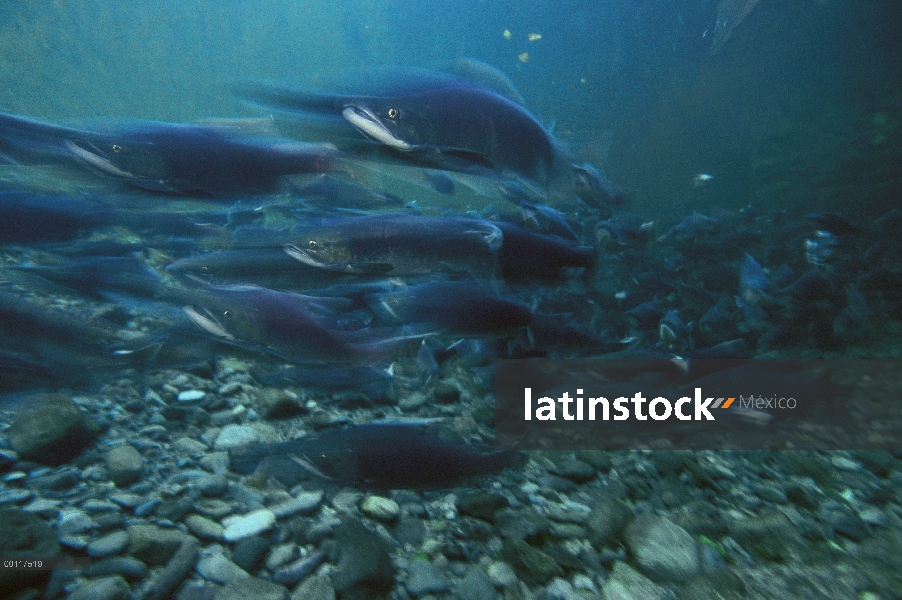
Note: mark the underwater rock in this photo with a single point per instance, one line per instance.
(25, 535)
(364, 568)
(124, 464)
(50, 429)
(662, 549)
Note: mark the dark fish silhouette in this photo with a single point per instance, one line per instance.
(528, 255)
(398, 244)
(455, 307)
(596, 190)
(435, 119)
(382, 455)
(96, 275)
(173, 158)
(267, 267)
(299, 329)
(34, 218)
(329, 193)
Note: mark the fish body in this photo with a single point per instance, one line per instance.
(95, 275)
(327, 192)
(382, 455)
(267, 267)
(455, 307)
(172, 158)
(596, 190)
(299, 329)
(398, 244)
(623, 231)
(34, 218)
(547, 220)
(434, 119)
(528, 255)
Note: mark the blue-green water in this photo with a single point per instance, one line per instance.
(189, 333)
(631, 85)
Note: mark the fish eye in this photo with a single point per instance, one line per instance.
(227, 313)
(392, 113)
(312, 244)
(117, 148)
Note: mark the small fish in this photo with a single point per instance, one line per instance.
(327, 192)
(440, 181)
(673, 332)
(720, 321)
(692, 229)
(624, 231)
(266, 267)
(702, 179)
(820, 248)
(754, 283)
(596, 190)
(97, 276)
(644, 316)
(548, 220)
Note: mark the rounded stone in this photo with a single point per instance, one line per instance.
(424, 578)
(204, 528)
(304, 502)
(248, 525)
(662, 549)
(379, 507)
(102, 588)
(190, 395)
(124, 465)
(218, 568)
(501, 574)
(254, 587)
(212, 485)
(50, 429)
(232, 436)
(109, 544)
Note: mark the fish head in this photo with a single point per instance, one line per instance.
(321, 250)
(227, 318)
(386, 120)
(596, 190)
(120, 158)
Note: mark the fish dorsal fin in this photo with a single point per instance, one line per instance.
(486, 75)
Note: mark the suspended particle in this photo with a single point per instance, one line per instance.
(507, 34)
(534, 37)
(524, 58)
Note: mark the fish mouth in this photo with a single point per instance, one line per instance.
(305, 257)
(369, 124)
(94, 158)
(207, 322)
